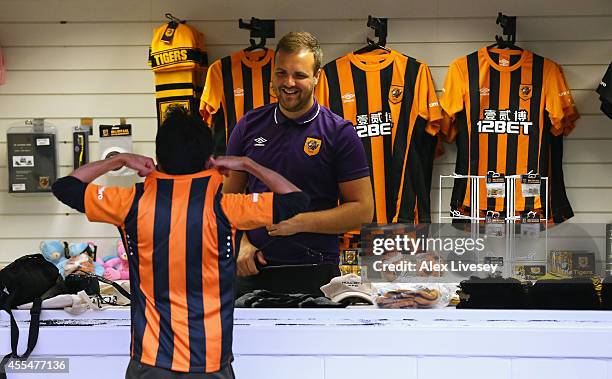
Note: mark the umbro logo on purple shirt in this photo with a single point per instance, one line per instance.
(260, 141)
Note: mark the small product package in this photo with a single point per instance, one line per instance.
(496, 185)
(412, 295)
(116, 139)
(32, 157)
(571, 264)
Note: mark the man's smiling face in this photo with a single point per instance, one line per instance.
(294, 81)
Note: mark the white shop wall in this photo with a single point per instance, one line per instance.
(94, 65)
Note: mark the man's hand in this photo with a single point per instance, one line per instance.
(245, 262)
(226, 163)
(139, 163)
(295, 224)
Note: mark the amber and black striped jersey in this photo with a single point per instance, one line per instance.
(391, 101)
(235, 84)
(181, 235)
(508, 111)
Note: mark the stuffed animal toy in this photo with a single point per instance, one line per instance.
(117, 267)
(81, 257)
(53, 251)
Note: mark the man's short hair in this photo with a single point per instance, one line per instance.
(183, 143)
(294, 42)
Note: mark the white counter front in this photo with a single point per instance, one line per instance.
(357, 343)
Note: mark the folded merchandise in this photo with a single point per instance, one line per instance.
(606, 293)
(79, 296)
(493, 293)
(549, 292)
(71, 303)
(267, 299)
(108, 291)
(576, 293)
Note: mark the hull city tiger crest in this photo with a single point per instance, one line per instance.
(43, 181)
(395, 94)
(525, 91)
(312, 146)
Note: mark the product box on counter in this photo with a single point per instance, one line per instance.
(571, 264)
(528, 272)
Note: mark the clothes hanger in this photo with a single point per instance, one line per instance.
(508, 24)
(261, 29)
(380, 30)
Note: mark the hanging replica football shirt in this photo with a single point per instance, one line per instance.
(604, 90)
(235, 84)
(508, 111)
(391, 101)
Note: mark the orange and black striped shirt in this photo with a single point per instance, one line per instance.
(508, 111)
(391, 101)
(181, 235)
(234, 85)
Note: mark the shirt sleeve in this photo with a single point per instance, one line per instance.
(210, 103)
(235, 144)
(289, 204)
(246, 212)
(428, 104)
(350, 160)
(322, 90)
(559, 102)
(108, 204)
(70, 191)
(451, 101)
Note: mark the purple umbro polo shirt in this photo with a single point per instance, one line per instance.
(315, 152)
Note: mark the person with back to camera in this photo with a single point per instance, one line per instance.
(181, 235)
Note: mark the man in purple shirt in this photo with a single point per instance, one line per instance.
(318, 151)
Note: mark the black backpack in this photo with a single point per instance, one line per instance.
(30, 278)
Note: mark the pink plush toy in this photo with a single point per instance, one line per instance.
(117, 267)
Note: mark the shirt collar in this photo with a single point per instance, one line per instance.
(307, 117)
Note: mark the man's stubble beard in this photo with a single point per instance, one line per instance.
(301, 104)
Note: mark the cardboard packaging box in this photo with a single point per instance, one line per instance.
(571, 264)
